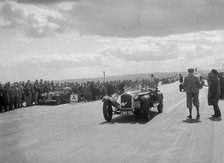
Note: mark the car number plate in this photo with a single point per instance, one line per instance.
(127, 113)
(136, 104)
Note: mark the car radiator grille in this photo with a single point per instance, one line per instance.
(126, 101)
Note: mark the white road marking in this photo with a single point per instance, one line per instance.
(171, 108)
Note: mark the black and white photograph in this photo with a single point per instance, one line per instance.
(111, 81)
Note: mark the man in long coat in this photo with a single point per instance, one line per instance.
(221, 78)
(27, 93)
(87, 93)
(35, 92)
(214, 92)
(1, 98)
(12, 95)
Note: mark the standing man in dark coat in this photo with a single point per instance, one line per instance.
(87, 93)
(191, 85)
(22, 87)
(19, 94)
(181, 78)
(214, 92)
(16, 98)
(12, 95)
(1, 97)
(28, 93)
(35, 92)
(221, 78)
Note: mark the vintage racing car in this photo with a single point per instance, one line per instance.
(57, 96)
(134, 100)
(201, 79)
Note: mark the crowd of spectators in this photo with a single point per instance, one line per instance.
(23, 94)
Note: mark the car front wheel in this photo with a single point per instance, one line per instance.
(107, 111)
(160, 106)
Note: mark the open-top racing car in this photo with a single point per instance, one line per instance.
(134, 100)
(57, 96)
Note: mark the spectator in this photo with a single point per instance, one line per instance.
(214, 92)
(191, 85)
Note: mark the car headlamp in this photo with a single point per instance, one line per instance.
(135, 96)
(114, 97)
(145, 97)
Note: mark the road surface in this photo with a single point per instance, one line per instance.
(79, 133)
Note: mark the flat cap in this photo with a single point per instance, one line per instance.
(214, 71)
(191, 70)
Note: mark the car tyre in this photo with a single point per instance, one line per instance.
(160, 106)
(107, 111)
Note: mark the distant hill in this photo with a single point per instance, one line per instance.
(121, 77)
(160, 75)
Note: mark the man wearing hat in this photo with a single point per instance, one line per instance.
(214, 92)
(191, 85)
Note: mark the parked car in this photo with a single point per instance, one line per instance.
(201, 79)
(57, 96)
(135, 100)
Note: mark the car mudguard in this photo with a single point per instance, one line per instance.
(111, 102)
(106, 98)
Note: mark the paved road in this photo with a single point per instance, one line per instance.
(78, 133)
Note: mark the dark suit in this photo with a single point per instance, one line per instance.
(214, 93)
(192, 85)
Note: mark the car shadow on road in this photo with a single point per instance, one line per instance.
(132, 119)
(191, 121)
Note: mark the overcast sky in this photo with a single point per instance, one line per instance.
(65, 39)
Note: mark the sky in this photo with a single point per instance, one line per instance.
(70, 39)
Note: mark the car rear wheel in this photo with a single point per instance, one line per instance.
(58, 100)
(107, 111)
(160, 106)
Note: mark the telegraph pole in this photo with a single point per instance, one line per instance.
(104, 76)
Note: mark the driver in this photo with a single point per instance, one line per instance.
(152, 82)
(153, 85)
